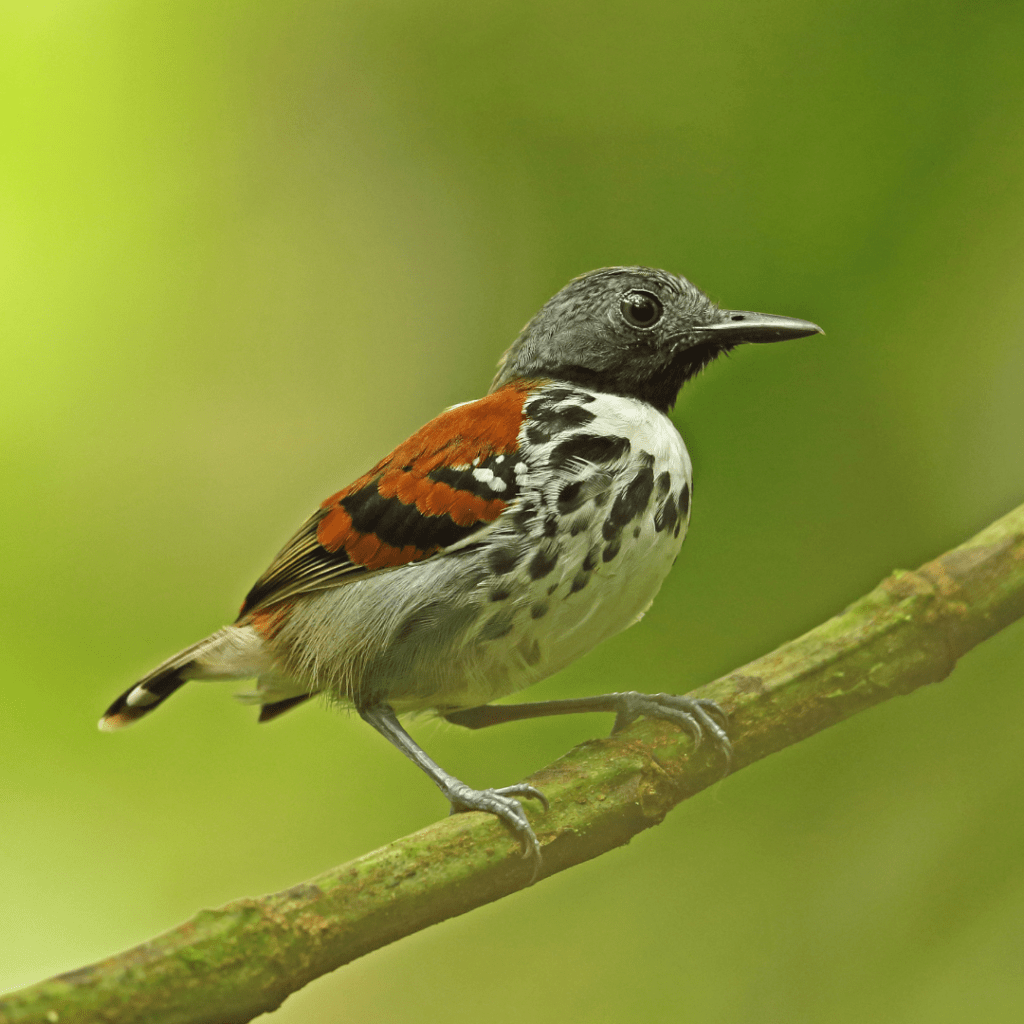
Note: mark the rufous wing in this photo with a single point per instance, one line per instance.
(449, 480)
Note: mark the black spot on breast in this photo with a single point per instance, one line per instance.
(570, 497)
(539, 610)
(522, 519)
(611, 550)
(666, 516)
(579, 581)
(500, 593)
(594, 448)
(543, 562)
(504, 559)
(664, 484)
(550, 526)
(498, 626)
(590, 562)
(631, 500)
(684, 501)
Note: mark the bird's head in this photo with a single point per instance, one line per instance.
(634, 331)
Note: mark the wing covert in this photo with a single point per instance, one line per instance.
(442, 485)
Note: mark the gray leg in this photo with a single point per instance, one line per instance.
(698, 716)
(499, 802)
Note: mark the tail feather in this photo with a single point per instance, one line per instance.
(234, 652)
(269, 711)
(152, 689)
(140, 699)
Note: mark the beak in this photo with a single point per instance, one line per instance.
(736, 326)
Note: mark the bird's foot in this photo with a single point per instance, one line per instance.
(700, 717)
(502, 804)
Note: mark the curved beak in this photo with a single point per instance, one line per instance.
(734, 327)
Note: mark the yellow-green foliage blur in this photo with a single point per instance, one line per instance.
(247, 247)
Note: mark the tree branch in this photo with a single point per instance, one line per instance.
(231, 964)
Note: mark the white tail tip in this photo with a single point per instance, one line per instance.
(113, 723)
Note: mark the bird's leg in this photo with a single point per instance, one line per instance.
(500, 802)
(700, 717)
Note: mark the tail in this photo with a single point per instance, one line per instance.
(234, 652)
(152, 689)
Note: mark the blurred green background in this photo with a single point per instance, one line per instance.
(248, 246)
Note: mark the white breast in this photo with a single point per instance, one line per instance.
(604, 494)
(602, 506)
(619, 533)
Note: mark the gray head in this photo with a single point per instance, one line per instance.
(634, 331)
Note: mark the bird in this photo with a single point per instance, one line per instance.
(500, 542)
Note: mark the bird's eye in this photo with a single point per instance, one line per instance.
(641, 309)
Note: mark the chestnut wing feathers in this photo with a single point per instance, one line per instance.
(442, 485)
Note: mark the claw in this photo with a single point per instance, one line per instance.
(699, 716)
(502, 804)
(714, 709)
(523, 789)
(709, 714)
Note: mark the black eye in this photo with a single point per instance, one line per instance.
(641, 309)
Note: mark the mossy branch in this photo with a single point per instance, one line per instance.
(231, 964)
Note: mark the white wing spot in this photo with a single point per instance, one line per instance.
(486, 476)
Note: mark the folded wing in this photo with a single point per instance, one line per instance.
(437, 489)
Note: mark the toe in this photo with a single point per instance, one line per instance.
(530, 792)
(502, 804)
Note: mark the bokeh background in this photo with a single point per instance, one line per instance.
(248, 246)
